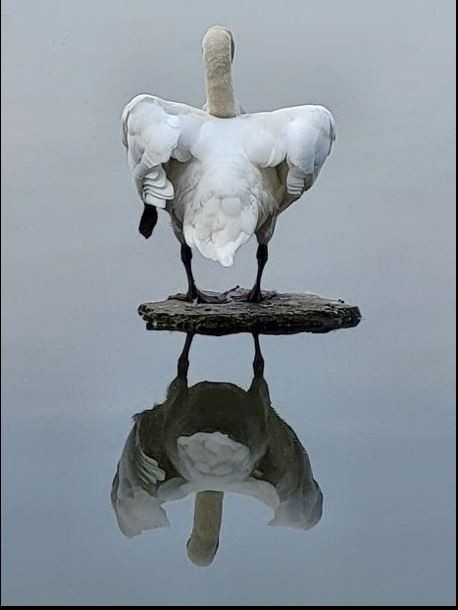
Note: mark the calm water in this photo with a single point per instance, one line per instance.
(372, 406)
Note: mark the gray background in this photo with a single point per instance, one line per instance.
(373, 406)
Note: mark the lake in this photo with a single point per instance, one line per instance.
(369, 410)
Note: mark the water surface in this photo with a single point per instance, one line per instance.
(371, 406)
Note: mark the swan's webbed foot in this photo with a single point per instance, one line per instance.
(194, 295)
(249, 296)
(197, 296)
(255, 295)
(180, 296)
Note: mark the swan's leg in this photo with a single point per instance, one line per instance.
(258, 362)
(193, 293)
(148, 220)
(186, 258)
(255, 294)
(259, 389)
(183, 360)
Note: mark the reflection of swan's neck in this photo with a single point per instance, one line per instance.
(203, 542)
(217, 54)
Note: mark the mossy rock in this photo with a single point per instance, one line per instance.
(280, 314)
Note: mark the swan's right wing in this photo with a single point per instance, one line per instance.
(154, 131)
(296, 141)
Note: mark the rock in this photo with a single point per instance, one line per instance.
(280, 314)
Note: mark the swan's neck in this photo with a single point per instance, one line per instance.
(217, 55)
(204, 539)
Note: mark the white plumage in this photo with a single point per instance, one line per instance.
(222, 180)
(223, 176)
(213, 458)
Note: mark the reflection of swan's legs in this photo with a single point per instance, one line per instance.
(183, 360)
(258, 362)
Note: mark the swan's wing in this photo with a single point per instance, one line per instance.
(295, 140)
(154, 131)
(287, 467)
(135, 485)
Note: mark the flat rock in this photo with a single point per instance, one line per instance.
(280, 314)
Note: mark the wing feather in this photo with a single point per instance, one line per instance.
(155, 131)
(298, 138)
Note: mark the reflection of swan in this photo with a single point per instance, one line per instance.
(222, 176)
(209, 439)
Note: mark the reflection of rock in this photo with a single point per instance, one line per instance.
(279, 314)
(213, 437)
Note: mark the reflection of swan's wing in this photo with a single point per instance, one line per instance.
(263, 491)
(155, 131)
(287, 467)
(135, 484)
(302, 509)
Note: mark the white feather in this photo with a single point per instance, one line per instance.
(217, 177)
(133, 494)
(213, 456)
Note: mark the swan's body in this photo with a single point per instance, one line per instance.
(222, 180)
(221, 175)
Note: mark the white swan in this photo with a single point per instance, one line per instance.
(222, 175)
(209, 439)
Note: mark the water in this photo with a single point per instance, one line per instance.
(371, 406)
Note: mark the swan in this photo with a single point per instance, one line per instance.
(210, 439)
(222, 175)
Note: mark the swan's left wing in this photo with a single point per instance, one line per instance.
(295, 140)
(154, 131)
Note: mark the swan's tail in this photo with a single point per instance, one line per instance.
(219, 228)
